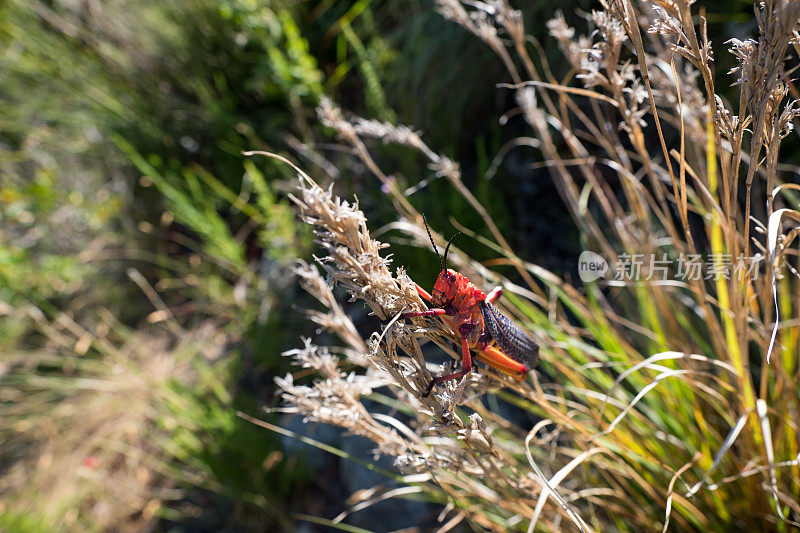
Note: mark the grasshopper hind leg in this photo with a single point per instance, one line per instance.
(466, 368)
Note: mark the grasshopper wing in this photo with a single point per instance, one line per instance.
(509, 337)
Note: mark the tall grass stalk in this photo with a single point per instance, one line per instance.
(659, 404)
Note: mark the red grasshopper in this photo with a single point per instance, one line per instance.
(498, 341)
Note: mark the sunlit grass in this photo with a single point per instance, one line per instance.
(659, 406)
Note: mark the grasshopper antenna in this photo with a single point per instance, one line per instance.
(447, 249)
(432, 243)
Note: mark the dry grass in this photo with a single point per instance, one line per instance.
(89, 439)
(667, 405)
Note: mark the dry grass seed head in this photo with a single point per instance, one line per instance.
(461, 453)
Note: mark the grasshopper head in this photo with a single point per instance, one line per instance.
(445, 288)
(447, 284)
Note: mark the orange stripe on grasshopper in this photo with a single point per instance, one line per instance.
(497, 359)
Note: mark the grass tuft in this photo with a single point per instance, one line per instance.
(661, 402)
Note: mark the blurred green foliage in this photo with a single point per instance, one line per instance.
(90, 92)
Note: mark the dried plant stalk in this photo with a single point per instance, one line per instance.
(460, 454)
(653, 395)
